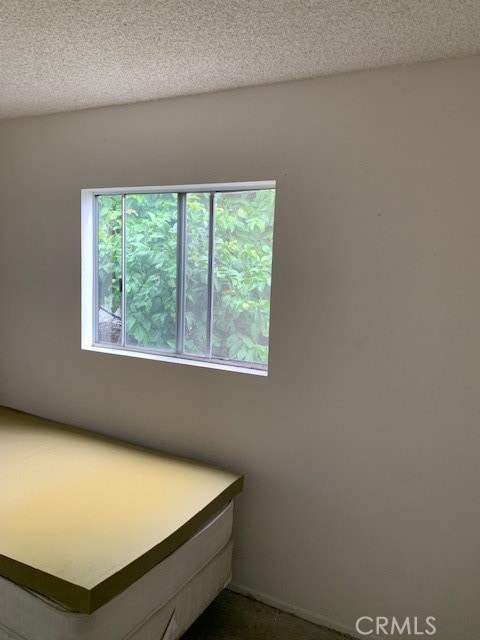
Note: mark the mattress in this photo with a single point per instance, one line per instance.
(85, 516)
(161, 605)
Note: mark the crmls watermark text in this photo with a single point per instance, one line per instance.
(367, 626)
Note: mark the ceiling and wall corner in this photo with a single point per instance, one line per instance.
(59, 55)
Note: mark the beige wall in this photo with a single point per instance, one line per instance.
(361, 448)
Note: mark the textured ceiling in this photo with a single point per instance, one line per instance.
(58, 55)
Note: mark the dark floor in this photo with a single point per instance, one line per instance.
(235, 617)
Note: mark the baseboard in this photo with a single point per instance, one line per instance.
(296, 611)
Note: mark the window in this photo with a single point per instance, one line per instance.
(179, 273)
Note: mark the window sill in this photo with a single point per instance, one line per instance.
(177, 359)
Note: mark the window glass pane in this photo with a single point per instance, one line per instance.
(151, 270)
(243, 259)
(196, 273)
(109, 269)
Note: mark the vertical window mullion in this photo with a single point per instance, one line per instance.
(181, 269)
(211, 263)
(123, 280)
(95, 269)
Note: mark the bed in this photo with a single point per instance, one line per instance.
(104, 540)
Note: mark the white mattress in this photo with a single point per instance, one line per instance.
(161, 605)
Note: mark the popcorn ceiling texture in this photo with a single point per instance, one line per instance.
(58, 55)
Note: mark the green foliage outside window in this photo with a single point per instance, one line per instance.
(242, 271)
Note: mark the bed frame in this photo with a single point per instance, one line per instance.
(91, 525)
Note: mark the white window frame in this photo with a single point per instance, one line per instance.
(89, 276)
